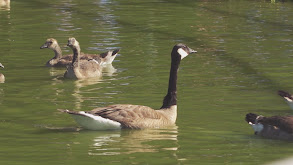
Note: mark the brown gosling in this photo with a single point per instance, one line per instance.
(81, 69)
(62, 61)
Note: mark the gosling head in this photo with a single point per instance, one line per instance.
(72, 43)
(50, 43)
(181, 51)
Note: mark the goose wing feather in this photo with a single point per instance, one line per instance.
(284, 123)
(89, 68)
(130, 116)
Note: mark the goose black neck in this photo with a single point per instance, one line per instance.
(58, 52)
(76, 54)
(171, 97)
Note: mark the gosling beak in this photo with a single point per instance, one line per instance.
(44, 46)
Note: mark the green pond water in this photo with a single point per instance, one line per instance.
(245, 53)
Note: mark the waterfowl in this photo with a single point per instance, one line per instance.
(2, 77)
(122, 116)
(62, 61)
(288, 97)
(5, 3)
(80, 69)
(274, 127)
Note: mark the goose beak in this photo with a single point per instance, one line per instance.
(69, 43)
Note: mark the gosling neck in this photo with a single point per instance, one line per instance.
(58, 52)
(76, 55)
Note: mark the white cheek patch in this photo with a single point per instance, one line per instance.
(182, 53)
(289, 100)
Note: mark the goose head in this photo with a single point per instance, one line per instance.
(72, 43)
(180, 51)
(50, 43)
(2, 66)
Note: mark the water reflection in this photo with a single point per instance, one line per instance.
(121, 142)
(56, 72)
(130, 141)
(79, 86)
(78, 93)
(2, 95)
(65, 15)
(109, 70)
(84, 89)
(107, 20)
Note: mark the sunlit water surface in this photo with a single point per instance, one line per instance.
(244, 56)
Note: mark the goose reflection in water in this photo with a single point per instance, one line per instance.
(78, 91)
(119, 142)
(78, 87)
(130, 141)
(57, 74)
(108, 70)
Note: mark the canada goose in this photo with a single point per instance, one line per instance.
(2, 77)
(275, 127)
(137, 116)
(288, 97)
(61, 61)
(81, 69)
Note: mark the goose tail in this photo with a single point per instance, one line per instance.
(288, 98)
(109, 56)
(285, 95)
(92, 122)
(115, 52)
